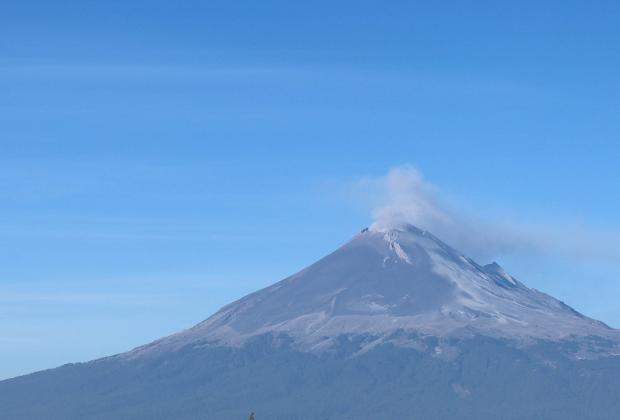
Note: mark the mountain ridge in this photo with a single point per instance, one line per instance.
(388, 280)
(393, 324)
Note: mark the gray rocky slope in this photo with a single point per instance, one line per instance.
(395, 324)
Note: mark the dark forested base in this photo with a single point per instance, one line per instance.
(483, 379)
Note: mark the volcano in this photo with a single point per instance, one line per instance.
(393, 324)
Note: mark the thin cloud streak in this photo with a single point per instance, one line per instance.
(12, 297)
(136, 71)
(111, 235)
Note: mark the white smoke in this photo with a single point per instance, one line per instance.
(404, 197)
(408, 199)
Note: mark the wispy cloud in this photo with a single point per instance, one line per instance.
(422, 82)
(73, 297)
(79, 70)
(404, 196)
(129, 236)
(152, 291)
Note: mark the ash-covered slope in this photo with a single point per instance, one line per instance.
(383, 281)
(394, 324)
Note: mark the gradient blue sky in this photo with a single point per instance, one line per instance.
(160, 159)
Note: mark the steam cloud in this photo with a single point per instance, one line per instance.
(403, 196)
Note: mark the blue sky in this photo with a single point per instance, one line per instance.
(159, 159)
